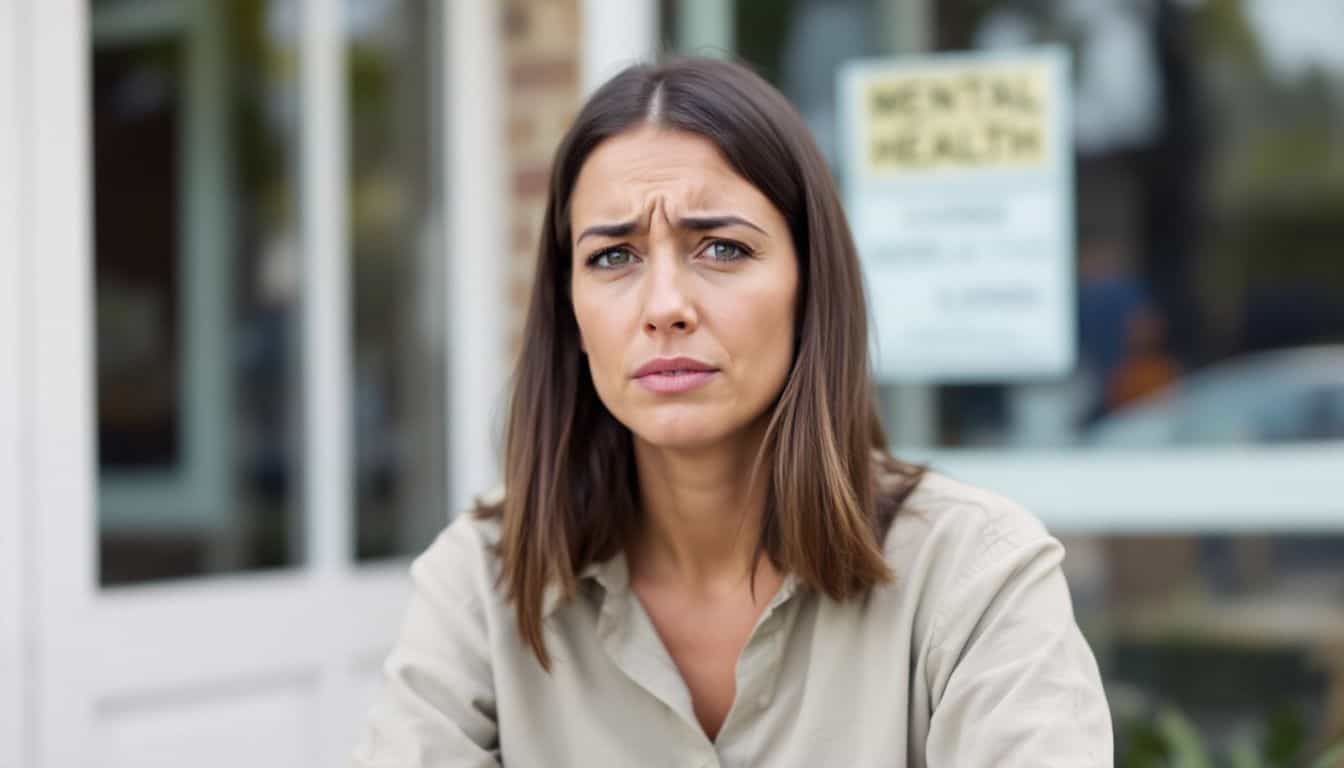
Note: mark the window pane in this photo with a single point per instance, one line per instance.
(1240, 633)
(397, 287)
(197, 282)
(1210, 222)
(1209, 207)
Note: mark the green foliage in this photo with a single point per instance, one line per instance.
(1166, 738)
(1332, 758)
(1286, 736)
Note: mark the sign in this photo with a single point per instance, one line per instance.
(958, 176)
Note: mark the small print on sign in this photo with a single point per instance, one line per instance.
(971, 117)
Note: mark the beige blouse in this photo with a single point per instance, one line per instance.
(971, 657)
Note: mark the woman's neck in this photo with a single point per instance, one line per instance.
(702, 513)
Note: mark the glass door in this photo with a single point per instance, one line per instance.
(228, 316)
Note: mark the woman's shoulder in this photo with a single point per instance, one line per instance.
(952, 528)
(462, 558)
(943, 499)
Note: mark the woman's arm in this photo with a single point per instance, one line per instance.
(437, 706)
(1013, 681)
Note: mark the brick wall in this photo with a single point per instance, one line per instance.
(541, 51)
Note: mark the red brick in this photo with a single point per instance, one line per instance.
(534, 72)
(516, 21)
(523, 239)
(530, 181)
(521, 130)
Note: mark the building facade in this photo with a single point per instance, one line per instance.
(263, 265)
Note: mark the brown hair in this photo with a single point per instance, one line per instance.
(571, 490)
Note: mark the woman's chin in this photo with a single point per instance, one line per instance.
(679, 434)
(678, 439)
(687, 426)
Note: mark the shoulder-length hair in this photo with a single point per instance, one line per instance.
(571, 490)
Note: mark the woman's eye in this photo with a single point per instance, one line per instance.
(724, 250)
(612, 258)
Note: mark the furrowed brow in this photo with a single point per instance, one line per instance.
(619, 229)
(701, 223)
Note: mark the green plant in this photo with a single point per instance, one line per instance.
(1163, 737)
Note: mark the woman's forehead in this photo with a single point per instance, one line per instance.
(630, 173)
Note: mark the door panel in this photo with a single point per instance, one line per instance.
(207, 725)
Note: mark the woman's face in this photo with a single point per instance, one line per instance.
(684, 287)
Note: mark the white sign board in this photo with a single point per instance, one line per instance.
(958, 175)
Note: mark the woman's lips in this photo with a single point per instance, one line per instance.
(672, 382)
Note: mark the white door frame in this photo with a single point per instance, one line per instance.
(59, 402)
(290, 656)
(15, 575)
(616, 34)
(478, 271)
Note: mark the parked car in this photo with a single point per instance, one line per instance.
(1288, 395)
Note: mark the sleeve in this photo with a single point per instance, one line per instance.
(1012, 679)
(436, 708)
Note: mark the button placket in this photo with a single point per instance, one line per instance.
(755, 683)
(766, 694)
(773, 653)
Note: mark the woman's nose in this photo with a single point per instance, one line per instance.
(667, 304)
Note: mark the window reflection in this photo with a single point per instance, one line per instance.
(1210, 218)
(197, 287)
(1210, 191)
(137, 111)
(1210, 188)
(399, 358)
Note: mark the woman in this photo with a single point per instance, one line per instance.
(704, 554)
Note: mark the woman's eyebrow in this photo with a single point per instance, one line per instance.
(697, 223)
(700, 223)
(619, 229)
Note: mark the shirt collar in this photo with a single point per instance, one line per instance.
(786, 590)
(613, 575)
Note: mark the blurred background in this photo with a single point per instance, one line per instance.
(262, 269)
